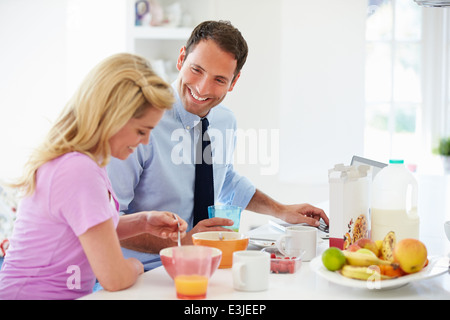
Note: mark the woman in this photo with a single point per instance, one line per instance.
(68, 228)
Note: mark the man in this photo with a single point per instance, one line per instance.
(162, 174)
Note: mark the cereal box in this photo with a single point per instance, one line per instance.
(349, 204)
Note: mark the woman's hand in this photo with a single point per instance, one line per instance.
(164, 225)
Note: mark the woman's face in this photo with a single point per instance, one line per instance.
(133, 133)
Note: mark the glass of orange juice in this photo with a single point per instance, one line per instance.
(192, 271)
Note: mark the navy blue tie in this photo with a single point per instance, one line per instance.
(204, 184)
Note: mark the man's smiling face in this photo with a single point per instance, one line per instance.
(206, 76)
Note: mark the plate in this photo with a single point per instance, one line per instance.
(262, 243)
(436, 266)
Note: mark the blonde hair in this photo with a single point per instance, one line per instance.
(119, 88)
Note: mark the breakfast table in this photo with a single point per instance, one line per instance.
(304, 284)
(308, 282)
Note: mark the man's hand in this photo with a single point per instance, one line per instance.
(293, 214)
(303, 213)
(213, 224)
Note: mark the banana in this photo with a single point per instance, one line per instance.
(362, 259)
(359, 273)
(362, 273)
(387, 248)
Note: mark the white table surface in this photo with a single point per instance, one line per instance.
(434, 209)
(304, 284)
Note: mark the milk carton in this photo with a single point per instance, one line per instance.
(349, 204)
(394, 203)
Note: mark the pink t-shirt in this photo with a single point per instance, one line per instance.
(45, 259)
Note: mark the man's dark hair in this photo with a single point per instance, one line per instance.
(225, 35)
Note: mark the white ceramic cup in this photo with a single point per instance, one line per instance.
(251, 270)
(299, 239)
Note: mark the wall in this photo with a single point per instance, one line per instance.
(304, 77)
(47, 47)
(322, 95)
(303, 80)
(95, 30)
(33, 73)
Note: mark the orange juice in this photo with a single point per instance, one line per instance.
(191, 286)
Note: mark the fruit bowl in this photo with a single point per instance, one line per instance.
(166, 259)
(283, 264)
(435, 267)
(227, 242)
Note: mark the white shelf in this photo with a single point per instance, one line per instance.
(161, 33)
(161, 44)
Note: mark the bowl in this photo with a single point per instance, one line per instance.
(166, 259)
(447, 229)
(283, 264)
(231, 242)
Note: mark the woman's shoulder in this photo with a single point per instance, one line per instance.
(72, 166)
(76, 160)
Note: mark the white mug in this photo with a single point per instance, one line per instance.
(251, 270)
(299, 240)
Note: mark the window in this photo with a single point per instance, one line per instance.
(393, 83)
(447, 33)
(407, 80)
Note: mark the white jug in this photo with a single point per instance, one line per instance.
(394, 203)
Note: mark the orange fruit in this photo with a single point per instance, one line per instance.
(393, 271)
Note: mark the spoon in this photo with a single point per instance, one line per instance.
(176, 218)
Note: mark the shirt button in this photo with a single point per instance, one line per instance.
(188, 127)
